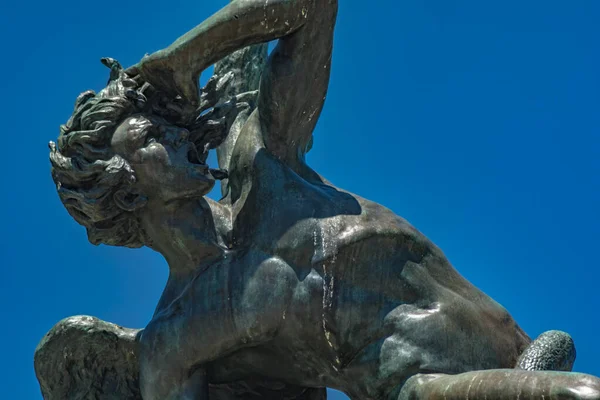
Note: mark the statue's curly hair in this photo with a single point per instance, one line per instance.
(88, 173)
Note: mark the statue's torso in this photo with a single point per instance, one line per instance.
(321, 287)
(359, 281)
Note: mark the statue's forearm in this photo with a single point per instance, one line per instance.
(237, 25)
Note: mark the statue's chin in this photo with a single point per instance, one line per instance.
(188, 196)
(195, 186)
(203, 179)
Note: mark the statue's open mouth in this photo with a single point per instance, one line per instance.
(199, 160)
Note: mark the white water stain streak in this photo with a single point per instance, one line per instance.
(327, 248)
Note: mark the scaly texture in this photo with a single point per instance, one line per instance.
(551, 351)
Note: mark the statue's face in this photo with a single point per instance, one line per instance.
(165, 162)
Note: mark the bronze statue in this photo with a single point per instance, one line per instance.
(287, 285)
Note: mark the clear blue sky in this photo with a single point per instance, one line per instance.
(477, 121)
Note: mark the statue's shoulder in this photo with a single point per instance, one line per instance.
(360, 222)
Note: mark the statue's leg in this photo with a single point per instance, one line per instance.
(533, 378)
(502, 384)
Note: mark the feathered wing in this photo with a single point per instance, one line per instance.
(238, 75)
(86, 358)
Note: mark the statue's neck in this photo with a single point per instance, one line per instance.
(190, 234)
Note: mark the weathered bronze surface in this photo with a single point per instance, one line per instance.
(287, 285)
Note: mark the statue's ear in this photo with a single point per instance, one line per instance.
(130, 199)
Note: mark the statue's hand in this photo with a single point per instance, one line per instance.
(170, 75)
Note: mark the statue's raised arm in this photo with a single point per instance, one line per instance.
(294, 83)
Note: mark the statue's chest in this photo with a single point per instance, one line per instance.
(289, 217)
(309, 225)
